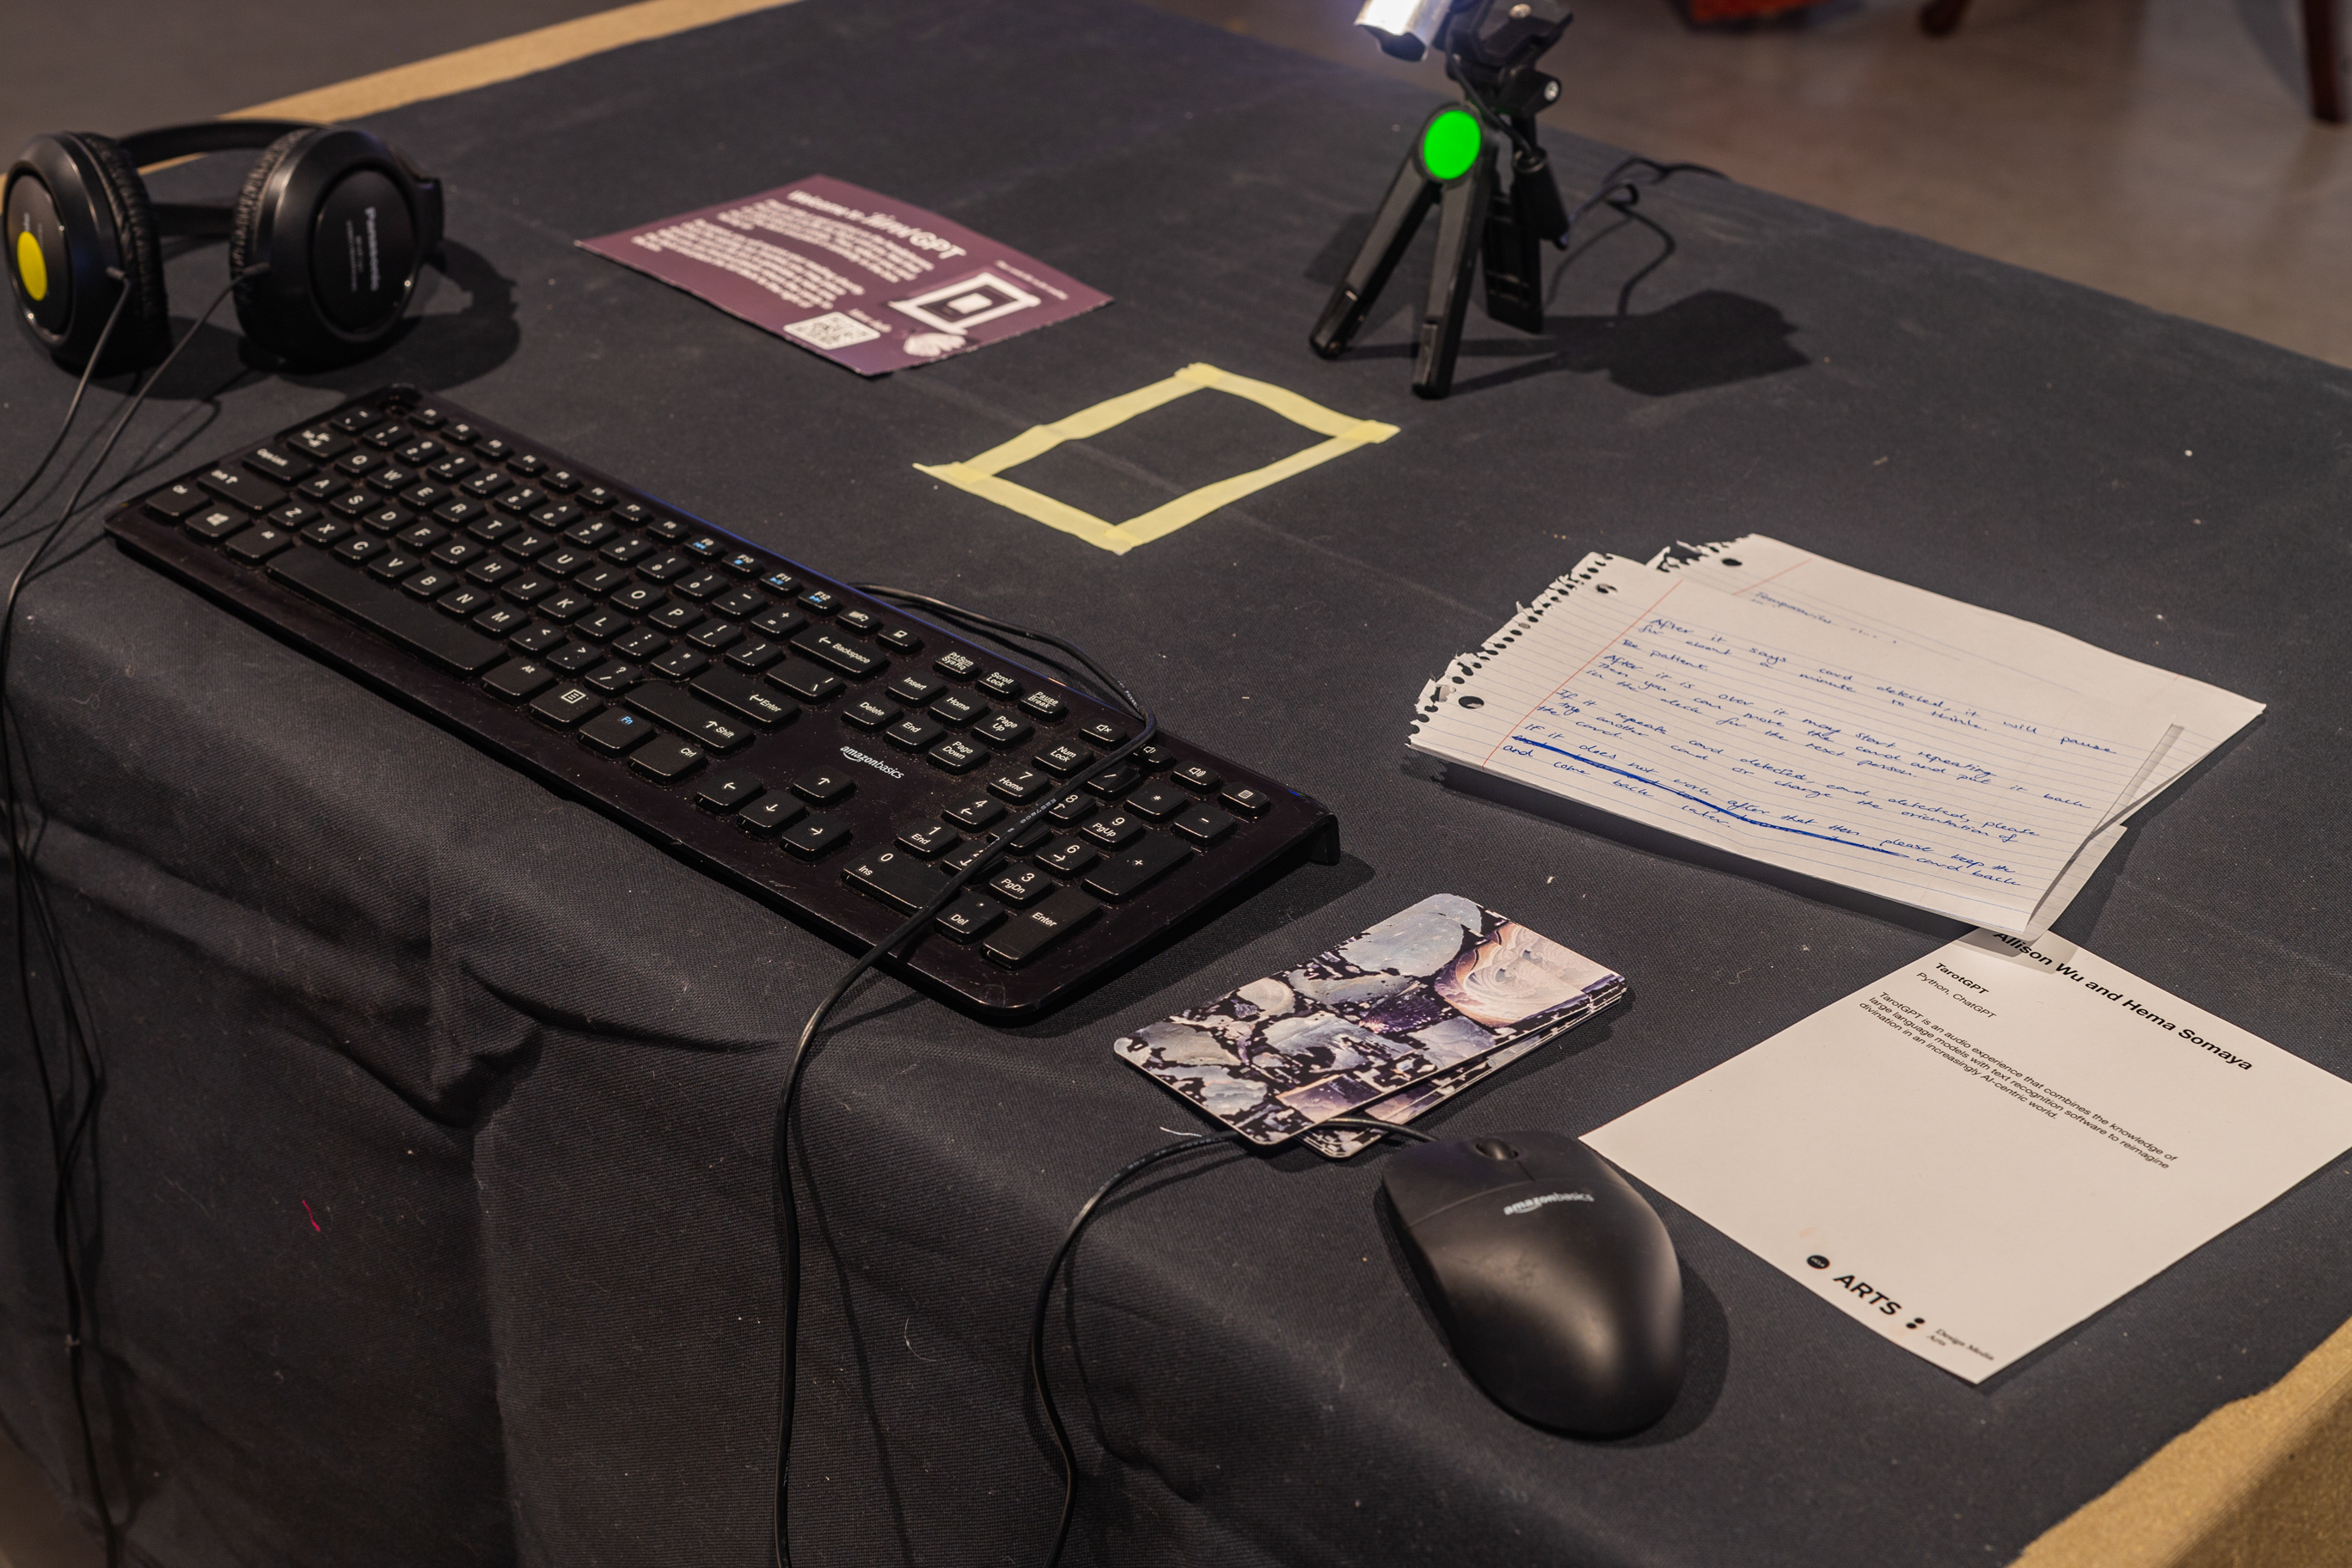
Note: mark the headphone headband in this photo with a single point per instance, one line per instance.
(165, 143)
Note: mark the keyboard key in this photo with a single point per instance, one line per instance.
(955, 707)
(487, 483)
(453, 467)
(664, 568)
(1114, 781)
(740, 604)
(975, 813)
(285, 467)
(568, 704)
(898, 879)
(781, 622)
(1193, 776)
(570, 658)
(666, 758)
(391, 479)
(956, 666)
(746, 698)
(1103, 733)
(1046, 705)
(971, 916)
(383, 519)
(539, 637)
(258, 544)
(463, 600)
(1203, 824)
(217, 523)
(527, 464)
(859, 620)
(1247, 801)
(1003, 730)
(524, 498)
(1063, 760)
(359, 465)
(1115, 831)
(597, 497)
(519, 679)
(459, 552)
(392, 565)
(616, 677)
(682, 663)
(326, 530)
(1138, 865)
(1021, 884)
(771, 813)
(969, 855)
(780, 582)
(490, 446)
(600, 625)
(643, 643)
(718, 636)
(356, 503)
(252, 493)
(706, 546)
(814, 835)
(425, 497)
(386, 612)
(676, 618)
(1030, 839)
(1025, 935)
(529, 588)
(418, 453)
(868, 714)
(320, 443)
(1069, 857)
(500, 620)
(423, 536)
(957, 755)
(638, 598)
(294, 515)
(703, 585)
(725, 792)
(743, 564)
(756, 654)
(805, 681)
(917, 687)
(463, 433)
(558, 514)
(823, 786)
(1021, 785)
(899, 638)
(821, 601)
(562, 481)
(459, 511)
(852, 659)
(523, 545)
(323, 487)
(929, 838)
(914, 733)
(1152, 758)
(626, 549)
(385, 438)
(357, 419)
(565, 561)
(697, 720)
(566, 606)
(1159, 801)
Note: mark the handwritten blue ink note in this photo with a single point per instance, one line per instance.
(1879, 765)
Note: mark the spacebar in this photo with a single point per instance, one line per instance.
(418, 627)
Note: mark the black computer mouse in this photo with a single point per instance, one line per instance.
(1556, 1283)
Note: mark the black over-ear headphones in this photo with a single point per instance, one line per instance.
(325, 241)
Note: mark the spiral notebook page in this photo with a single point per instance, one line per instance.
(1891, 769)
(1765, 571)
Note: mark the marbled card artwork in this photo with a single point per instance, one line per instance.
(1435, 985)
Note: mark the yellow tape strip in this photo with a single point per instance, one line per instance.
(503, 59)
(982, 476)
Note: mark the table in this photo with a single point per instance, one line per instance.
(435, 1150)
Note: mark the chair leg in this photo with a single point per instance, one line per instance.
(1937, 17)
(2325, 63)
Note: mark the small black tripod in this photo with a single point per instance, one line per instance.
(1491, 48)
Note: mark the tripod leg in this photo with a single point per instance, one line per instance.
(1410, 195)
(1516, 230)
(1461, 222)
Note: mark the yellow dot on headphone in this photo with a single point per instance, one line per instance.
(32, 267)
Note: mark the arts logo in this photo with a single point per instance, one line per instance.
(1529, 1205)
(854, 755)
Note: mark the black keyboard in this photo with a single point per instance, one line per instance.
(816, 748)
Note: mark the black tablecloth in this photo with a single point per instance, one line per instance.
(434, 1154)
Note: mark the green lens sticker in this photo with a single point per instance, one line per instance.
(1451, 143)
(32, 267)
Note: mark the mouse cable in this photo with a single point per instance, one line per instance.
(1087, 1212)
(788, 1237)
(73, 407)
(71, 1119)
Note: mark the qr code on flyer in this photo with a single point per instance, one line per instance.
(835, 331)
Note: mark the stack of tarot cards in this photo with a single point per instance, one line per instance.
(1386, 1024)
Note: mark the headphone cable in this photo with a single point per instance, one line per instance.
(113, 316)
(70, 1121)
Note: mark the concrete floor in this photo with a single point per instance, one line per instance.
(2156, 149)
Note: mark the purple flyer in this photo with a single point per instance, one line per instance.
(865, 280)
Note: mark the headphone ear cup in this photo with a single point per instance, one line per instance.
(244, 246)
(146, 326)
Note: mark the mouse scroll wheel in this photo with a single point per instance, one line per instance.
(1496, 1149)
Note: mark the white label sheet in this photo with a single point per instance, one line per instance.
(1985, 1148)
